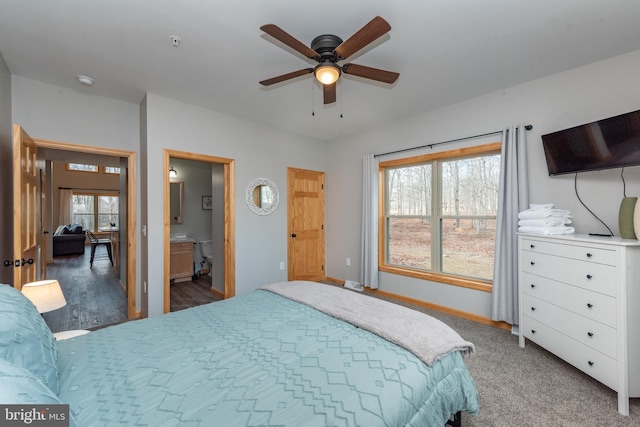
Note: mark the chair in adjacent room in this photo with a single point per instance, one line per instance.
(95, 242)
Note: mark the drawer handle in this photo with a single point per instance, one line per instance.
(589, 276)
(590, 363)
(533, 263)
(589, 305)
(533, 331)
(533, 286)
(590, 334)
(532, 246)
(589, 255)
(533, 309)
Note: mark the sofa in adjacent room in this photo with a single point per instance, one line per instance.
(68, 240)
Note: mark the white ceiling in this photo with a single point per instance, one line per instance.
(445, 51)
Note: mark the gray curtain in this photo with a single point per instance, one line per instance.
(513, 197)
(369, 243)
(66, 207)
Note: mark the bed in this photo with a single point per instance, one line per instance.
(268, 358)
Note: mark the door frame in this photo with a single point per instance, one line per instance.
(229, 219)
(131, 207)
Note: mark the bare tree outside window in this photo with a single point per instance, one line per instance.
(445, 207)
(95, 211)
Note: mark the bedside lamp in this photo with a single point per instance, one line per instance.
(46, 295)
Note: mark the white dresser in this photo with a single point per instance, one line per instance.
(580, 299)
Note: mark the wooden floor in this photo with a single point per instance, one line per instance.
(95, 297)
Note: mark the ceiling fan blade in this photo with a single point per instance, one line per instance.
(374, 29)
(329, 92)
(370, 73)
(286, 38)
(287, 76)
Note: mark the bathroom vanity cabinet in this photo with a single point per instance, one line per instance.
(181, 264)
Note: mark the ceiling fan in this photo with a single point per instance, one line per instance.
(328, 50)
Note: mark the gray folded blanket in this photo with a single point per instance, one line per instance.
(428, 338)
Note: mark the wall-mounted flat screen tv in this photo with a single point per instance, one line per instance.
(605, 144)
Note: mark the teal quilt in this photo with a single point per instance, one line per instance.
(255, 360)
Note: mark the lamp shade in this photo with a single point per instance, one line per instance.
(46, 295)
(327, 73)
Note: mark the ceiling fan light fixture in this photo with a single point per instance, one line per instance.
(327, 73)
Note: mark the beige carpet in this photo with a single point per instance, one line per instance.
(529, 386)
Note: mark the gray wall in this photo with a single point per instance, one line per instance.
(55, 113)
(6, 179)
(259, 151)
(577, 96)
(556, 102)
(198, 223)
(196, 178)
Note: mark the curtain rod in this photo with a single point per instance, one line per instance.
(89, 189)
(527, 127)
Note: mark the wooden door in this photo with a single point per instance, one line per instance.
(305, 211)
(25, 205)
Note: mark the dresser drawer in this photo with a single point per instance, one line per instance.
(592, 305)
(589, 332)
(595, 277)
(588, 360)
(582, 253)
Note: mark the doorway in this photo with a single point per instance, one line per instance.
(128, 233)
(201, 204)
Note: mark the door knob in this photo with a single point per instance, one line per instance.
(293, 235)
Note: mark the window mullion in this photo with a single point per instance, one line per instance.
(436, 217)
(96, 209)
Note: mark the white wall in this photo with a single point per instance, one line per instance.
(556, 102)
(6, 174)
(259, 151)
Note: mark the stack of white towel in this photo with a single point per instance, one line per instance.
(545, 219)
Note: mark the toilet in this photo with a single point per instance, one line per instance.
(206, 250)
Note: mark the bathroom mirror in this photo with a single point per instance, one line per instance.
(175, 205)
(262, 196)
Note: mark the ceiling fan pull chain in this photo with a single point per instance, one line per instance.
(341, 98)
(313, 102)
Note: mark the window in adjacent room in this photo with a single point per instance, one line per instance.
(80, 167)
(112, 170)
(95, 210)
(439, 216)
